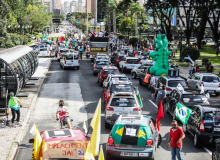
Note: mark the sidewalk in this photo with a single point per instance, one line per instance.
(11, 137)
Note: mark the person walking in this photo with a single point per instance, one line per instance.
(152, 84)
(161, 94)
(175, 140)
(14, 104)
(209, 68)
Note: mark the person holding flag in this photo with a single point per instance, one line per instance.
(138, 96)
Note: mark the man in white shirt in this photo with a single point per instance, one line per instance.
(152, 84)
(100, 34)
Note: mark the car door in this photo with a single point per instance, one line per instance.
(154, 135)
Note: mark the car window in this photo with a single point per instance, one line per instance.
(132, 61)
(43, 49)
(69, 57)
(76, 56)
(174, 83)
(102, 62)
(121, 88)
(120, 57)
(113, 71)
(208, 116)
(193, 98)
(123, 102)
(217, 118)
(64, 51)
(119, 78)
(210, 79)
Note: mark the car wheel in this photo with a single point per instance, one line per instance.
(94, 74)
(134, 75)
(159, 140)
(140, 82)
(214, 155)
(217, 94)
(166, 107)
(107, 126)
(195, 140)
(184, 128)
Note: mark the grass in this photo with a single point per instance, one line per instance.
(213, 60)
(208, 50)
(29, 43)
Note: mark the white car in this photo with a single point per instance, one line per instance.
(146, 60)
(143, 54)
(135, 72)
(210, 82)
(193, 39)
(43, 52)
(209, 40)
(114, 77)
(128, 63)
(69, 61)
(62, 50)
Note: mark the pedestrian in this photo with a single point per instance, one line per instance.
(191, 65)
(152, 84)
(197, 68)
(161, 94)
(209, 68)
(175, 140)
(14, 104)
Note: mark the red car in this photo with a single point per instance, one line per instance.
(118, 59)
(103, 74)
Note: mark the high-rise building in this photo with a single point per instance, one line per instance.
(48, 4)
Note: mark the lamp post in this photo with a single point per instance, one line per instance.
(181, 30)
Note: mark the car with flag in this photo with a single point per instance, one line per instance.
(187, 97)
(102, 75)
(59, 144)
(121, 103)
(97, 67)
(203, 124)
(133, 137)
(128, 63)
(114, 77)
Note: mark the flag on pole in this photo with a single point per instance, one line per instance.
(93, 145)
(182, 112)
(160, 116)
(101, 154)
(37, 144)
(61, 39)
(190, 59)
(138, 96)
(84, 126)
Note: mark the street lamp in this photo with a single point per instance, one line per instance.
(181, 31)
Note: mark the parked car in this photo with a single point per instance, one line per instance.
(33, 37)
(216, 151)
(208, 81)
(102, 75)
(114, 77)
(128, 63)
(98, 64)
(70, 60)
(193, 39)
(209, 40)
(121, 103)
(62, 50)
(203, 124)
(133, 137)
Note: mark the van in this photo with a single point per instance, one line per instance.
(44, 52)
(69, 60)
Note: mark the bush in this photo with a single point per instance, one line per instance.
(29, 37)
(205, 61)
(15, 39)
(21, 39)
(133, 41)
(25, 40)
(193, 53)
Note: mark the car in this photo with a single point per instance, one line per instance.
(121, 103)
(193, 39)
(143, 54)
(216, 151)
(147, 60)
(208, 40)
(118, 59)
(135, 72)
(102, 75)
(62, 50)
(171, 83)
(133, 137)
(128, 63)
(204, 41)
(33, 37)
(187, 97)
(125, 47)
(69, 60)
(208, 81)
(43, 52)
(62, 143)
(98, 64)
(203, 124)
(114, 77)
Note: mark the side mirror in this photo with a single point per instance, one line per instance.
(31, 140)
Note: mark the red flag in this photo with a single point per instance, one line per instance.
(160, 116)
(61, 39)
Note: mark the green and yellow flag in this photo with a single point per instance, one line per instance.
(182, 112)
(37, 145)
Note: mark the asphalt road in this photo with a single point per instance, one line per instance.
(91, 93)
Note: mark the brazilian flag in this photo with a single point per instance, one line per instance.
(131, 134)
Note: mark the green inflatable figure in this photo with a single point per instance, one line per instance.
(160, 56)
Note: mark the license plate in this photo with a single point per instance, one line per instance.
(132, 66)
(122, 113)
(217, 129)
(129, 154)
(211, 91)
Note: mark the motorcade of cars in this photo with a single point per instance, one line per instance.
(133, 137)
(114, 77)
(69, 60)
(216, 151)
(62, 144)
(103, 74)
(207, 81)
(187, 97)
(203, 124)
(121, 103)
(98, 64)
(128, 63)
(135, 72)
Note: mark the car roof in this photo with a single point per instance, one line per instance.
(211, 108)
(173, 78)
(64, 135)
(133, 119)
(102, 60)
(109, 67)
(121, 82)
(207, 74)
(131, 58)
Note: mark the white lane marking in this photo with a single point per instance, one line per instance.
(153, 103)
(209, 152)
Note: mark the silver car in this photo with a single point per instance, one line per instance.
(121, 103)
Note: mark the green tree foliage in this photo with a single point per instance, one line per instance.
(193, 53)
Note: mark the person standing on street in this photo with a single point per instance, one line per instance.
(14, 104)
(175, 140)
(152, 84)
(191, 66)
(160, 95)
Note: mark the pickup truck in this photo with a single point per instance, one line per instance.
(128, 63)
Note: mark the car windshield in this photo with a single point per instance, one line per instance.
(174, 83)
(194, 98)
(210, 79)
(121, 88)
(108, 71)
(102, 57)
(120, 57)
(69, 57)
(123, 102)
(144, 53)
(208, 116)
(43, 49)
(102, 62)
(64, 51)
(132, 61)
(119, 79)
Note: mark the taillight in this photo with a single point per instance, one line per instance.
(137, 109)
(168, 89)
(38, 52)
(95, 66)
(219, 85)
(202, 128)
(139, 62)
(207, 103)
(65, 60)
(110, 141)
(149, 142)
(126, 62)
(110, 109)
(202, 84)
(78, 61)
(59, 53)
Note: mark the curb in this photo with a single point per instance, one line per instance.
(24, 128)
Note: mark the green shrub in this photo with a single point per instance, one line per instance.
(29, 37)
(15, 39)
(21, 39)
(205, 61)
(25, 40)
(193, 53)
